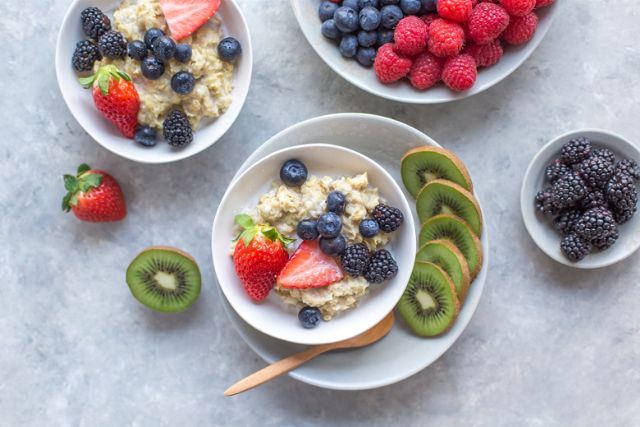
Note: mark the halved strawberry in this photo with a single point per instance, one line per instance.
(309, 268)
(185, 16)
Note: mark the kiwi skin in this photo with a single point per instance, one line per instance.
(465, 280)
(463, 179)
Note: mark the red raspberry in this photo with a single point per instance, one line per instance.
(521, 29)
(543, 3)
(410, 36)
(485, 55)
(445, 38)
(459, 72)
(429, 18)
(389, 66)
(455, 10)
(486, 22)
(518, 7)
(425, 71)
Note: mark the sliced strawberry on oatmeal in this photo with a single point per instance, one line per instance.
(184, 17)
(309, 268)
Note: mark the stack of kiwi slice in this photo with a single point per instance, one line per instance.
(450, 254)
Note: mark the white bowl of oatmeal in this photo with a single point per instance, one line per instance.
(351, 304)
(212, 107)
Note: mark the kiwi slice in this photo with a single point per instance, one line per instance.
(429, 304)
(164, 279)
(459, 233)
(445, 197)
(422, 165)
(446, 256)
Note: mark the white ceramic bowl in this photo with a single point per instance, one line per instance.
(306, 12)
(540, 227)
(272, 316)
(80, 102)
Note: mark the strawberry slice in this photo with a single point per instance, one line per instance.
(309, 268)
(185, 16)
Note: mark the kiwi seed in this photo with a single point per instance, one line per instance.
(422, 165)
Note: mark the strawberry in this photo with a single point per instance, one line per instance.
(259, 255)
(94, 196)
(309, 268)
(115, 97)
(185, 16)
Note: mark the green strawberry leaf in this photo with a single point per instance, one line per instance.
(244, 221)
(83, 168)
(273, 234)
(65, 202)
(74, 199)
(248, 236)
(70, 183)
(87, 82)
(90, 181)
(103, 83)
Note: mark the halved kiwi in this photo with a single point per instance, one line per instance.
(457, 232)
(446, 256)
(445, 197)
(164, 279)
(422, 165)
(429, 304)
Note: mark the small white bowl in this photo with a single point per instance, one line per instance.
(80, 102)
(306, 12)
(272, 316)
(540, 227)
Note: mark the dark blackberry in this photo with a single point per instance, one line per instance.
(575, 248)
(596, 223)
(354, 259)
(622, 195)
(381, 267)
(566, 222)
(568, 190)
(94, 22)
(593, 199)
(604, 154)
(176, 129)
(576, 150)
(556, 170)
(607, 242)
(544, 202)
(389, 218)
(595, 172)
(628, 166)
(113, 45)
(85, 55)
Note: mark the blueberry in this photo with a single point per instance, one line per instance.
(229, 49)
(346, 19)
(367, 38)
(137, 50)
(183, 82)
(329, 29)
(353, 4)
(326, 10)
(146, 135)
(308, 229)
(368, 3)
(384, 37)
(390, 16)
(336, 202)
(309, 317)
(333, 247)
(387, 2)
(152, 68)
(183, 52)
(369, 227)
(348, 45)
(410, 7)
(428, 5)
(151, 35)
(365, 56)
(164, 48)
(369, 18)
(293, 173)
(329, 225)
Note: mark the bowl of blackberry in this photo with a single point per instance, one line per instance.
(579, 199)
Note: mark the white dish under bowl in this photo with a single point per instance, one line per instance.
(540, 227)
(306, 12)
(80, 101)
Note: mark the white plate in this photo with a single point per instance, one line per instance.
(540, 228)
(400, 354)
(80, 102)
(306, 12)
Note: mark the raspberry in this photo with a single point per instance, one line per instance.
(446, 38)
(459, 73)
(486, 22)
(521, 29)
(518, 7)
(455, 10)
(425, 71)
(429, 18)
(485, 55)
(389, 66)
(410, 36)
(543, 3)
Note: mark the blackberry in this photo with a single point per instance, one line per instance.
(544, 203)
(94, 22)
(354, 259)
(556, 169)
(622, 195)
(113, 45)
(85, 55)
(576, 150)
(568, 190)
(606, 242)
(566, 222)
(575, 248)
(389, 218)
(596, 223)
(604, 154)
(176, 129)
(629, 167)
(595, 172)
(381, 267)
(593, 199)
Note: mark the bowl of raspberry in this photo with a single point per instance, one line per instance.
(424, 51)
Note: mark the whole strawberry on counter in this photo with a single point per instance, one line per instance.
(94, 196)
(259, 255)
(115, 97)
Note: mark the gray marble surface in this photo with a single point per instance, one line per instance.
(548, 345)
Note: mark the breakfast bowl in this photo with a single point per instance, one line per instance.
(541, 227)
(345, 168)
(227, 21)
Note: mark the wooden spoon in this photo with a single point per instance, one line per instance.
(285, 365)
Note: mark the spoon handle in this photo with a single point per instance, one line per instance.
(275, 370)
